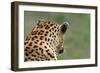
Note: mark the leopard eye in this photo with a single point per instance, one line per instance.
(64, 27)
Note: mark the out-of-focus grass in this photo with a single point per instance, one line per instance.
(77, 37)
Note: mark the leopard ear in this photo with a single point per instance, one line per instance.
(64, 27)
(40, 21)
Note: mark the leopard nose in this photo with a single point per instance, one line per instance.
(61, 51)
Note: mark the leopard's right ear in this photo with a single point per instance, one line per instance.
(64, 27)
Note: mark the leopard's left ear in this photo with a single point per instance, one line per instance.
(64, 27)
(40, 21)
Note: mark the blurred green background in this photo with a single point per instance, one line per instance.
(77, 37)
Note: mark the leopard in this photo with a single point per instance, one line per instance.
(45, 42)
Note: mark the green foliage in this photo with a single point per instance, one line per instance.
(77, 37)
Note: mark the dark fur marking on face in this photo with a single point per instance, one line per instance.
(45, 46)
(45, 39)
(51, 40)
(40, 48)
(41, 43)
(54, 36)
(36, 41)
(42, 51)
(29, 58)
(33, 55)
(36, 59)
(25, 59)
(47, 50)
(41, 32)
(48, 39)
(48, 59)
(26, 50)
(47, 43)
(51, 25)
(31, 51)
(40, 57)
(35, 37)
(35, 46)
(32, 59)
(50, 55)
(26, 54)
(50, 35)
(27, 47)
(30, 44)
(50, 30)
(47, 27)
(55, 30)
(25, 43)
(45, 34)
(36, 49)
(41, 37)
(38, 33)
(54, 26)
(32, 38)
(38, 53)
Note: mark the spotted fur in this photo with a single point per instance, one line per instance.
(45, 41)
